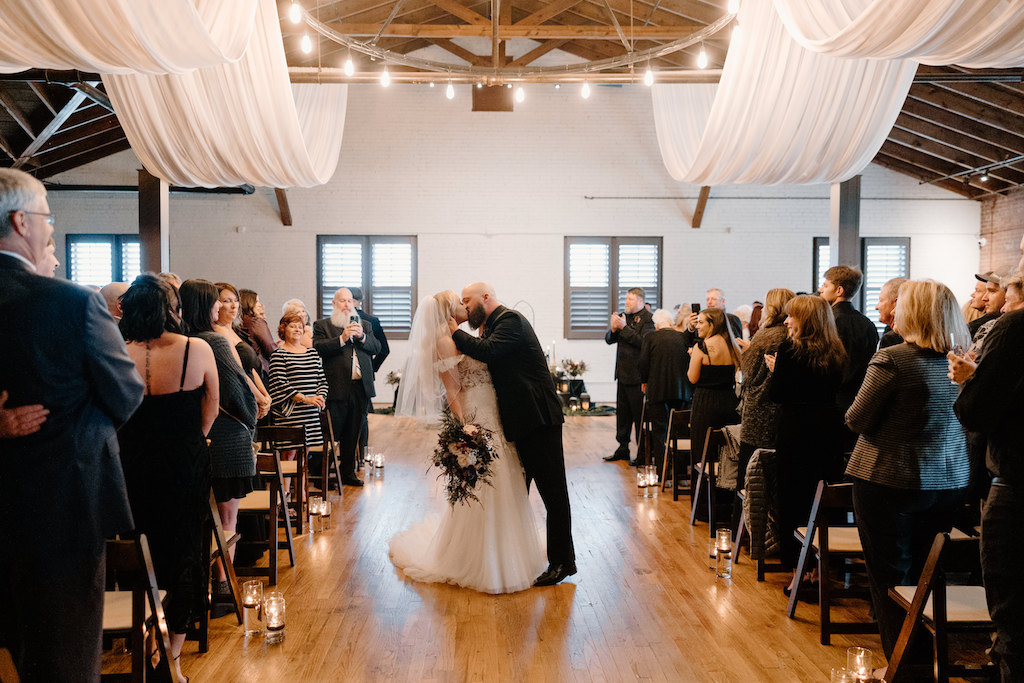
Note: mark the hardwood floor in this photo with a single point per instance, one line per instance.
(644, 605)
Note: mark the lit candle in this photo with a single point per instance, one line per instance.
(585, 401)
(273, 610)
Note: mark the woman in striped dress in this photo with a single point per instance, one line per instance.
(909, 468)
(298, 385)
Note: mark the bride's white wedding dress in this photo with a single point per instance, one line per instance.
(493, 545)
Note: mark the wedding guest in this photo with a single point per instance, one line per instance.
(298, 386)
(627, 331)
(979, 303)
(989, 403)
(994, 298)
(171, 279)
(1014, 298)
(346, 344)
(47, 267)
(163, 448)
(296, 306)
(743, 313)
(760, 415)
(712, 371)
(62, 489)
(755, 319)
(112, 294)
(233, 464)
(807, 372)
(378, 358)
(255, 330)
(716, 299)
(909, 467)
(247, 356)
(886, 308)
(662, 369)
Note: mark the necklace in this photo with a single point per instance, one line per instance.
(147, 367)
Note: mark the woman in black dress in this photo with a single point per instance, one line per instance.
(233, 463)
(806, 372)
(226, 326)
(163, 447)
(712, 371)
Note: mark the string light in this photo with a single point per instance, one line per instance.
(350, 67)
(479, 85)
(307, 44)
(520, 94)
(509, 86)
(449, 92)
(295, 13)
(702, 58)
(431, 84)
(733, 7)
(585, 90)
(385, 77)
(648, 77)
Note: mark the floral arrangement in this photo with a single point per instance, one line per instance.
(574, 368)
(465, 454)
(394, 377)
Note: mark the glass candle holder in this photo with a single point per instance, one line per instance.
(584, 402)
(859, 663)
(652, 480)
(273, 616)
(723, 553)
(368, 462)
(574, 405)
(378, 460)
(641, 482)
(325, 514)
(563, 386)
(252, 604)
(841, 675)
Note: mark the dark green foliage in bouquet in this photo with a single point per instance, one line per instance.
(465, 454)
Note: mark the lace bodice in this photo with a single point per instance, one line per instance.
(473, 373)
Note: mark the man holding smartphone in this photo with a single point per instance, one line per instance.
(628, 330)
(347, 346)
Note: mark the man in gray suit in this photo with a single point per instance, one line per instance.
(62, 490)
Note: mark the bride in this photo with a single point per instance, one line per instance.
(490, 545)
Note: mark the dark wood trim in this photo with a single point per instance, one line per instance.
(282, 206)
(702, 202)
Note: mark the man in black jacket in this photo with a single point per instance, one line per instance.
(346, 345)
(663, 363)
(378, 358)
(857, 332)
(531, 414)
(628, 331)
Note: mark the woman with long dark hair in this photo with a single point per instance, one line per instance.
(163, 446)
(232, 460)
(806, 373)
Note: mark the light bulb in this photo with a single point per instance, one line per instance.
(449, 92)
(479, 85)
(702, 59)
(558, 86)
(509, 86)
(307, 44)
(520, 94)
(649, 77)
(431, 84)
(733, 7)
(984, 177)
(350, 67)
(295, 13)
(385, 78)
(585, 90)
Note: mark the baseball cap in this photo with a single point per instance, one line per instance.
(995, 276)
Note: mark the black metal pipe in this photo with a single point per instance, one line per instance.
(57, 187)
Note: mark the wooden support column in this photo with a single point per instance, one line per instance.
(844, 224)
(702, 202)
(154, 219)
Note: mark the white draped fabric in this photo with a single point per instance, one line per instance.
(781, 114)
(971, 33)
(234, 123)
(123, 36)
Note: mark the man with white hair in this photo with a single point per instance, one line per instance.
(886, 308)
(62, 490)
(112, 294)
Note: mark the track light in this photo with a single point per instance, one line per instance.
(984, 177)
(295, 13)
(307, 44)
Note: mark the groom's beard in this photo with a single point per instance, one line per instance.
(340, 319)
(476, 316)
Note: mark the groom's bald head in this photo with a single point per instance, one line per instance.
(480, 302)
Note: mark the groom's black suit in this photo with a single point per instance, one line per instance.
(531, 414)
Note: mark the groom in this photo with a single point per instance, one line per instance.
(531, 414)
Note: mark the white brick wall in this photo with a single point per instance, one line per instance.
(491, 196)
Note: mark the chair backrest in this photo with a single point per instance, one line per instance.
(713, 443)
(269, 436)
(679, 425)
(8, 674)
(327, 427)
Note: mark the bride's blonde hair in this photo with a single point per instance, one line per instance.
(447, 301)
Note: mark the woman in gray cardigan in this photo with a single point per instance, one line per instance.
(909, 467)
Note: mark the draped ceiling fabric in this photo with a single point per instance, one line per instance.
(123, 36)
(972, 33)
(781, 114)
(234, 123)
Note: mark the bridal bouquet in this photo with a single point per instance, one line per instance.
(464, 454)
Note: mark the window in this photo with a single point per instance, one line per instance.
(883, 257)
(384, 267)
(598, 273)
(101, 259)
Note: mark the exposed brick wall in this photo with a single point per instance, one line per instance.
(492, 195)
(1002, 227)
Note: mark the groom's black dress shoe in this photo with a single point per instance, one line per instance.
(555, 574)
(352, 481)
(617, 456)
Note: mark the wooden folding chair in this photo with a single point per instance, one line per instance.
(646, 435)
(706, 472)
(276, 439)
(677, 450)
(328, 456)
(265, 502)
(215, 546)
(136, 609)
(948, 598)
(831, 536)
(8, 674)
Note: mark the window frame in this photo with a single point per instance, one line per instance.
(865, 242)
(613, 277)
(366, 243)
(114, 239)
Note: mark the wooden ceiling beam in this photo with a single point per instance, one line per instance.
(459, 51)
(538, 52)
(44, 97)
(52, 127)
(938, 167)
(462, 12)
(946, 153)
(68, 136)
(886, 161)
(72, 148)
(8, 103)
(959, 124)
(548, 11)
(7, 149)
(953, 139)
(85, 157)
(537, 32)
(965, 106)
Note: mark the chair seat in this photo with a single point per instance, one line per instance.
(256, 501)
(682, 444)
(289, 467)
(964, 604)
(117, 610)
(841, 539)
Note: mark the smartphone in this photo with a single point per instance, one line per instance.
(694, 308)
(353, 319)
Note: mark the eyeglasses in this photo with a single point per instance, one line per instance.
(49, 216)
